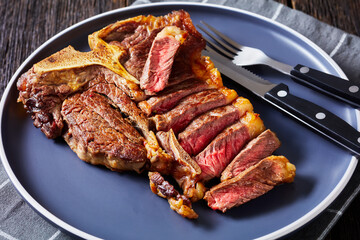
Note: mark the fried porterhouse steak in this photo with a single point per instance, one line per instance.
(146, 75)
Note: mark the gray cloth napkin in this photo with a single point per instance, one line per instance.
(19, 221)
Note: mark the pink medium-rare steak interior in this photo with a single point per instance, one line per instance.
(170, 96)
(138, 52)
(252, 183)
(218, 154)
(159, 62)
(257, 149)
(190, 107)
(199, 133)
(214, 158)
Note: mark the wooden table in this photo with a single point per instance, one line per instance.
(22, 34)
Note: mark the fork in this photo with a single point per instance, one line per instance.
(343, 89)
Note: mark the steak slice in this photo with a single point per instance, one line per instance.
(99, 135)
(138, 53)
(218, 154)
(204, 128)
(191, 106)
(42, 93)
(178, 202)
(251, 183)
(183, 168)
(135, 49)
(256, 150)
(170, 96)
(160, 59)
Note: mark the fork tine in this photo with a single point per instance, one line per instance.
(218, 40)
(222, 50)
(229, 40)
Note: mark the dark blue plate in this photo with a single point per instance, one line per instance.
(92, 201)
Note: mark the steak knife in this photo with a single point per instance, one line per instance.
(316, 117)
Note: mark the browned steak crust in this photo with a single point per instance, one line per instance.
(179, 203)
(100, 135)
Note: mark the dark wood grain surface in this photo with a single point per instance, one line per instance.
(343, 14)
(26, 24)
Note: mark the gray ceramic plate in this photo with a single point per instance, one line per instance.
(91, 201)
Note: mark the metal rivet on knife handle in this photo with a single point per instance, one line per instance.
(304, 70)
(282, 93)
(354, 89)
(320, 115)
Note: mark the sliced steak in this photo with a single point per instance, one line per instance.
(170, 96)
(42, 93)
(207, 126)
(178, 202)
(190, 107)
(256, 150)
(183, 168)
(158, 158)
(99, 135)
(218, 154)
(135, 38)
(251, 183)
(138, 54)
(160, 59)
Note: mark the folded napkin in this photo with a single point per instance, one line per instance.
(19, 221)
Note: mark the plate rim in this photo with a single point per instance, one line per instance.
(50, 217)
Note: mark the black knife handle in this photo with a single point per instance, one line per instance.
(315, 116)
(342, 89)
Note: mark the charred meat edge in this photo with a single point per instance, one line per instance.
(183, 168)
(178, 202)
